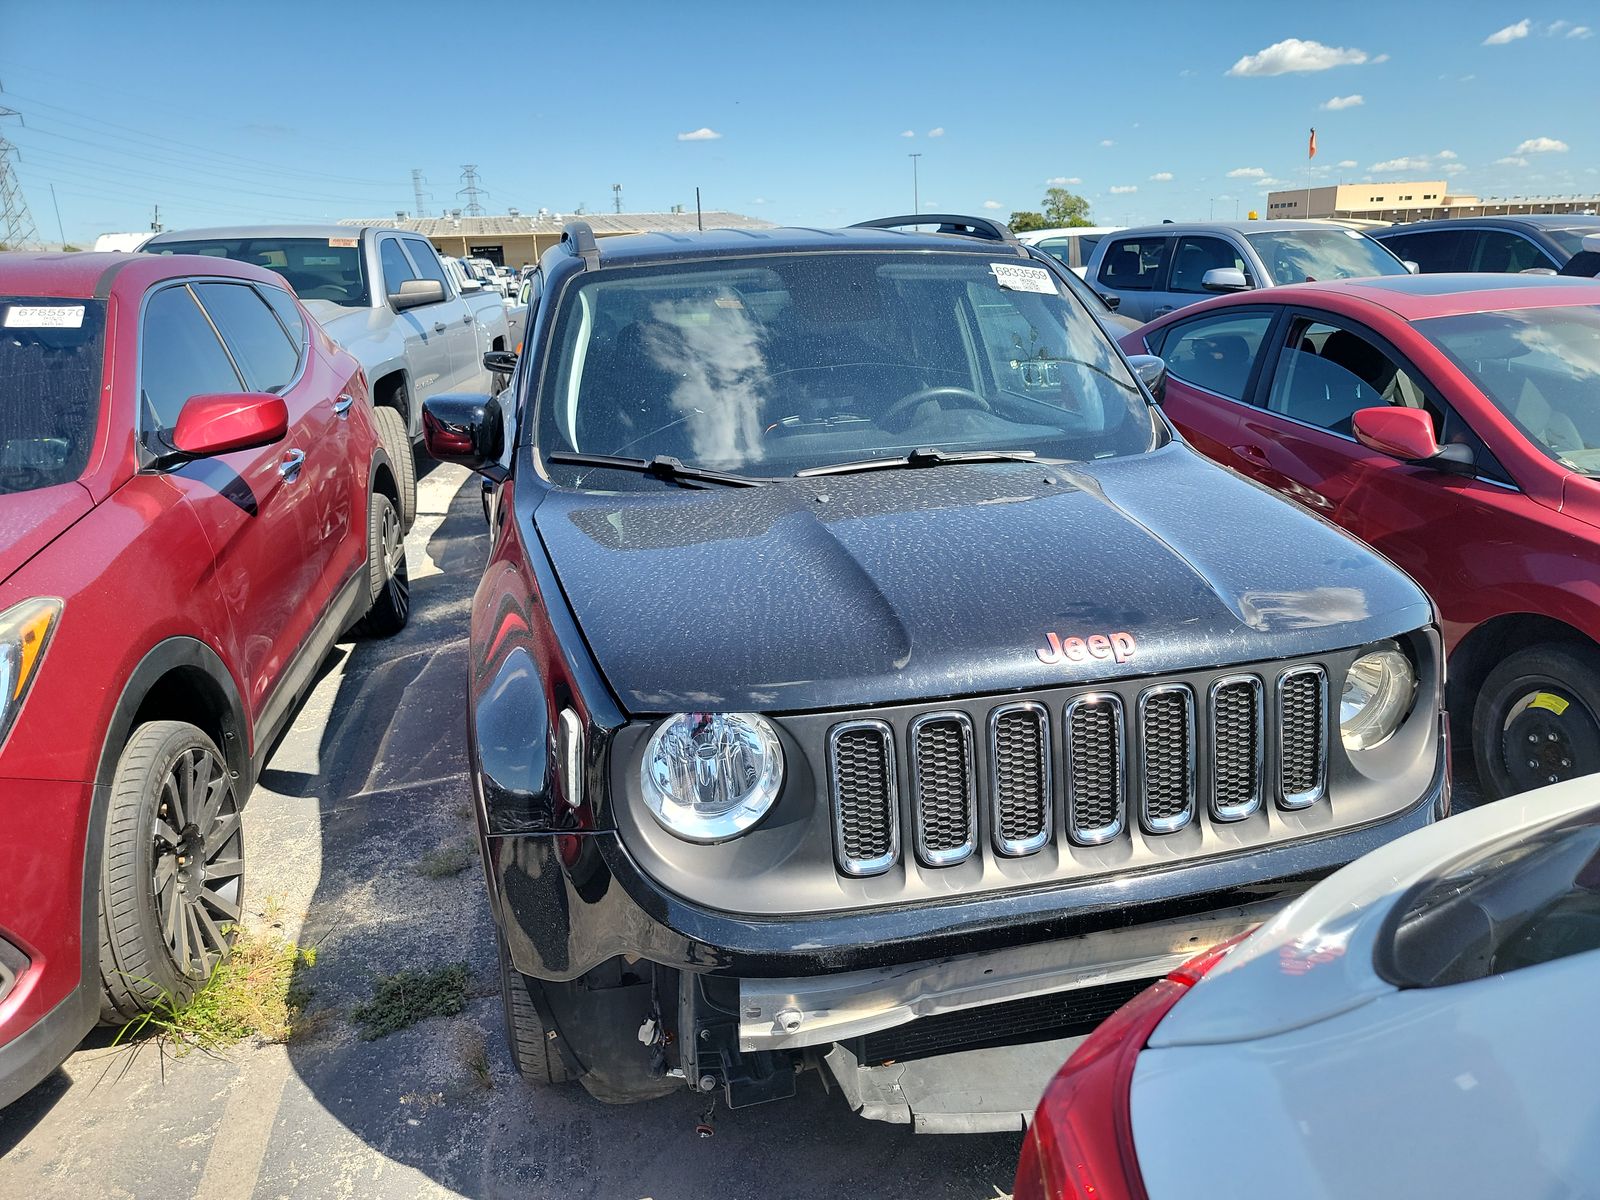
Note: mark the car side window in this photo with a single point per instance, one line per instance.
(1502, 251)
(288, 312)
(253, 334)
(179, 356)
(1194, 256)
(1436, 250)
(1086, 244)
(397, 268)
(1326, 373)
(1135, 264)
(1216, 352)
(427, 261)
(1059, 249)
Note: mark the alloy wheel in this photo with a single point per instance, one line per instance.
(198, 861)
(392, 539)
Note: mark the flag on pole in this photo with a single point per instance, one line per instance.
(1311, 151)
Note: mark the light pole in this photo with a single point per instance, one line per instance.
(916, 195)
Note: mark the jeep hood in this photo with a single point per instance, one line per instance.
(903, 585)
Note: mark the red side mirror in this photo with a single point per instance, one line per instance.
(216, 424)
(1406, 433)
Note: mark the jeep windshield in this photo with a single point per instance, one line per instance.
(317, 268)
(50, 351)
(776, 364)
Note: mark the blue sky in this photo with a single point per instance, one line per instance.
(294, 111)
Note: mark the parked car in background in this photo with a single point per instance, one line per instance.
(1160, 268)
(1450, 422)
(1072, 246)
(1524, 243)
(195, 504)
(385, 297)
(1415, 1025)
(859, 674)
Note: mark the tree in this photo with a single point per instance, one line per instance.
(1021, 222)
(1063, 208)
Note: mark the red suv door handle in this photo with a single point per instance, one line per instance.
(343, 403)
(289, 468)
(1253, 454)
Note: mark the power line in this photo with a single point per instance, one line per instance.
(14, 215)
(469, 174)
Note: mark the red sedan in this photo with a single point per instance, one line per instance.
(194, 505)
(1452, 422)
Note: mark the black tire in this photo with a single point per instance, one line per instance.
(388, 582)
(396, 441)
(172, 877)
(1537, 719)
(532, 1048)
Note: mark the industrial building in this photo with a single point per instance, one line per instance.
(1420, 201)
(517, 238)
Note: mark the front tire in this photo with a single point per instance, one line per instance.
(533, 1050)
(388, 583)
(172, 877)
(1537, 719)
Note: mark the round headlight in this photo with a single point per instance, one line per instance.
(711, 776)
(1377, 695)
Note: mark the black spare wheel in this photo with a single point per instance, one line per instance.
(1535, 721)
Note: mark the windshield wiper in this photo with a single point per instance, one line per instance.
(924, 456)
(662, 466)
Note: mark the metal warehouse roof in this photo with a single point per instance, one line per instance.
(552, 223)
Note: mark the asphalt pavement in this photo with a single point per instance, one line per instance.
(369, 781)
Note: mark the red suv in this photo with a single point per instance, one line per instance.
(1450, 422)
(194, 504)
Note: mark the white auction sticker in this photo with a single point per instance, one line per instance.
(1023, 279)
(41, 316)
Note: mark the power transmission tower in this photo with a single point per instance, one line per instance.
(416, 186)
(469, 176)
(616, 196)
(16, 220)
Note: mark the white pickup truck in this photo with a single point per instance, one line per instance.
(383, 295)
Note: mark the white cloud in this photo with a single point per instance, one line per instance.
(938, 131)
(1293, 54)
(1541, 145)
(1247, 173)
(1401, 164)
(1509, 34)
(1382, 58)
(1447, 155)
(1107, 142)
(993, 204)
(908, 133)
(1555, 27)
(703, 134)
(1123, 189)
(1348, 163)
(1580, 32)
(1161, 177)
(759, 200)
(1269, 182)
(1062, 181)
(1452, 168)
(1338, 102)
(1511, 161)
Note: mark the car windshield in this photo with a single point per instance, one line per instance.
(49, 388)
(774, 364)
(1539, 366)
(317, 268)
(1571, 240)
(1306, 255)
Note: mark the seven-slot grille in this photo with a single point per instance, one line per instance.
(1153, 758)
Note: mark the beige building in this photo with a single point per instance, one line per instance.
(517, 238)
(1419, 201)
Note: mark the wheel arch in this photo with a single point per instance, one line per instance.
(1488, 644)
(388, 379)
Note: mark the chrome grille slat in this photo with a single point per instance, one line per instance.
(943, 793)
(1237, 747)
(861, 769)
(1302, 736)
(1019, 762)
(1094, 768)
(1167, 757)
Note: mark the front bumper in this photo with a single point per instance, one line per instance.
(569, 902)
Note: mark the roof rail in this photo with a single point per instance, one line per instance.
(978, 227)
(577, 238)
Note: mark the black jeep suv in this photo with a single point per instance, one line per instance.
(867, 678)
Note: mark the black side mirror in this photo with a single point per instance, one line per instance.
(1152, 372)
(414, 293)
(466, 428)
(501, 362)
